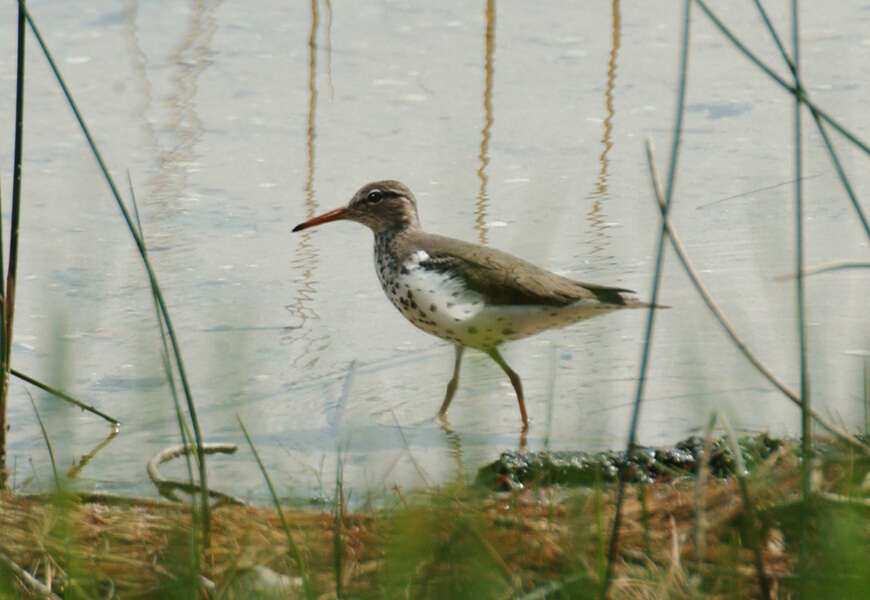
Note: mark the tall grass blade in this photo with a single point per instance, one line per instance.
(776, 40)
(841, 173)
(800, 294)
(647, 344)
(294, 550)
(550, 394)
(191, 409)
(8, 295)
(680, 251)
(170, 379)
(165, 354)
(753, 539)
(600, 535)
(866, 395)
(834, 266)
(800, 93)
(338, 520)
(47, 442)
(800, 304)
(2, 324)
(819, 125)
(64, 396)
(420, 471)
(703, 474)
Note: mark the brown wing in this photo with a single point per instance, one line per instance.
(505, 279)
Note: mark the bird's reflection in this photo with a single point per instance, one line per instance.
(453, 443)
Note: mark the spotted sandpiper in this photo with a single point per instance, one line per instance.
(471, 295)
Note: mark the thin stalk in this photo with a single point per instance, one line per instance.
(47, 442)
(800, 307)
(866, 396)
(151, 276)
(167, 365)
(680, 251)
(510, 577)
(776, 39)
(800, 292)
(338, 519)
(818, 121)
(644, 361)
(644, 517)
(828, 267)
(601, 544)
(294, 550)
(701, 478)
(63, 396)
(800, 93)
(2, 282)
(550, 395)
(754, 531)
(8, 307)
(4, 379)
(420, 472)
(167, 368)
(9, 298)
(841, 173)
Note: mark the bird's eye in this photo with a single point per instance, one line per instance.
(374, 197)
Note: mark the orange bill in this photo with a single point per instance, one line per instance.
(333, 215)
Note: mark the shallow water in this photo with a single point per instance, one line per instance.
(521, 127)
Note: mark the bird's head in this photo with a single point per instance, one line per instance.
(380, 206)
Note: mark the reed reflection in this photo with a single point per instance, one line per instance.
(76, 468)
(598, 238)
(482, 197)
(305, 258)
(328, 4)
(139, 64)
(189, 59)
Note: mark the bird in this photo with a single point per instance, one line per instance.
(471, 295)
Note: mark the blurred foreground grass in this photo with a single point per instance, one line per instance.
(683, 537)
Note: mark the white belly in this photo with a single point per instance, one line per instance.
(442, 306)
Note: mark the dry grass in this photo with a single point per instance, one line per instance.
(448, 542)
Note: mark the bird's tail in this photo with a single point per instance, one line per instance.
(634, 302)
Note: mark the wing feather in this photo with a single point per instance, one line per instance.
(505, 279)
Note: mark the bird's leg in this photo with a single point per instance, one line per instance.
(515, 381)
(454, 381)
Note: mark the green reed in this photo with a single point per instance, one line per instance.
(152, 277)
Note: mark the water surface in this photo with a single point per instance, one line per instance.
(517, 125)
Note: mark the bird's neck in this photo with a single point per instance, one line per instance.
(392, 245)
(385, 237)
(396, 224)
